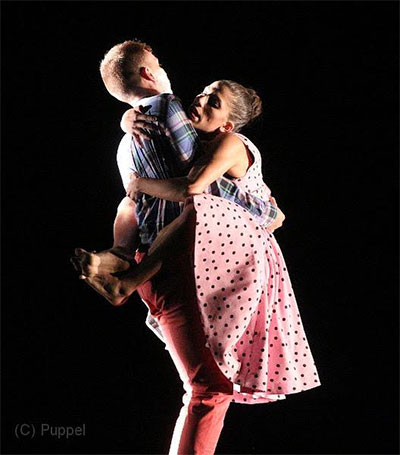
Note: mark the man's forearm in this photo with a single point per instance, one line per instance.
(170, 189)
(264, 212)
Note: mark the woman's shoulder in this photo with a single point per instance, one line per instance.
(249, 145)
(230, 140)
(245, 140)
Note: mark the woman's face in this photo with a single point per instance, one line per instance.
(210, 109)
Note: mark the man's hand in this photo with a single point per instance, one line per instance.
(133, 187)
(135, 123)
(277, 223)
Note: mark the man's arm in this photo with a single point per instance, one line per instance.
(180, 132)
(171, 120)
(209, 176)
(265, 212)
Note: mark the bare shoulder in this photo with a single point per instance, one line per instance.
(230, 139)
(229, 143)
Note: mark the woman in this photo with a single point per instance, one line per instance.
(255, 346)
(223, 154)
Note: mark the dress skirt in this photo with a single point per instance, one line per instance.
(247, 305)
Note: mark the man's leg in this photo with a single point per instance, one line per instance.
(208, 391)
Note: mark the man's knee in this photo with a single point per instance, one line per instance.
(211, 382)
(203, 403)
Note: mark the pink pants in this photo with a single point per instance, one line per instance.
(170, 296)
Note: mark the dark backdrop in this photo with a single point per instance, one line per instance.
(327, 73)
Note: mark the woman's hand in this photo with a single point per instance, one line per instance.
(133, 191)
(135, 123)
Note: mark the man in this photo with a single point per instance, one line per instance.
(132, 74)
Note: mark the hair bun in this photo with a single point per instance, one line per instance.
(255, 102)
(246, 105)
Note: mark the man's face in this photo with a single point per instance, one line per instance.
(161, 79)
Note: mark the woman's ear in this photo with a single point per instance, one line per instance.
(146, 73)
(227, 127)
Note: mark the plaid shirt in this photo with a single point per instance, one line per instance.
(170, 153)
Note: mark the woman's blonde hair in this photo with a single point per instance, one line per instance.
(246, 105)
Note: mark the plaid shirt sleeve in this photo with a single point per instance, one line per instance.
(180, 132)
(264, 212)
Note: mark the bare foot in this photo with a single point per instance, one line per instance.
(105, 262)
(109, 287)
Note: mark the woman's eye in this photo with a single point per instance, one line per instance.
(213, 101)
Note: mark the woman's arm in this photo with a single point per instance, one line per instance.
(136, 123)
(229, 153)
(170, 189)
(229, 156)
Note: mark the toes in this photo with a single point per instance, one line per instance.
(75, 262)
(88, 271)
(119, 301)
(82, 266)
(88, 262)
(79, 251)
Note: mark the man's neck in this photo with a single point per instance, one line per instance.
(142, 93)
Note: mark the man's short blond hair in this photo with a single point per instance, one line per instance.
(120, 68)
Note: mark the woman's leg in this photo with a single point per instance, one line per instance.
(170, 240)
(118, 258)
(125, 227)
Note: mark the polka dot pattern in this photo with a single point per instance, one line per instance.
(248, 308)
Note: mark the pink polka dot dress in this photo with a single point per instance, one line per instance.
(247, 305)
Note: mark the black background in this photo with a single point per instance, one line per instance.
(327, 74)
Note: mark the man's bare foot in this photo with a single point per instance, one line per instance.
(109, 287)
(114, 260)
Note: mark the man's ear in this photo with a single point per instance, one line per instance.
(227, 127)
(146, 73)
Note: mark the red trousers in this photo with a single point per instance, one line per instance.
(171, 298)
